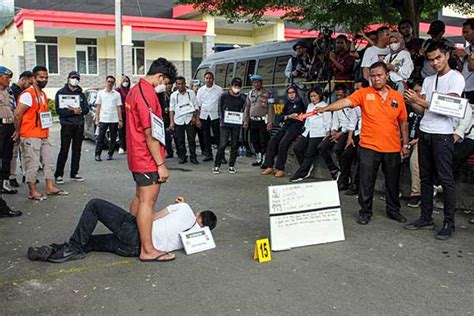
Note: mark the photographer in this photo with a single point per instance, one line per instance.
(297, 68)
(341, 60)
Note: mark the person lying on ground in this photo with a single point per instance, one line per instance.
(124, 239)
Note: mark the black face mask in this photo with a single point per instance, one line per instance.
(41, 83)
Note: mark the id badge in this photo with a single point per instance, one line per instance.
(157, 128)
(46, 119)
(231, 117)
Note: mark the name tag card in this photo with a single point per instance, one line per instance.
(66, 101)
(157, 128)
(231, 117)
(448, 105)
(186, 109)
(197, 240)
(46, 119)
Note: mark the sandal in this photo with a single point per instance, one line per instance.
(59, 192)
(158, 259)
(41, 197)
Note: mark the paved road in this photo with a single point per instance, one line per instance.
(379, 269)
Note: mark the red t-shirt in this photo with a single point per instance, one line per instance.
(138, 119)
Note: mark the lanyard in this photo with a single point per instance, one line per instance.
(436, 83)
(177, 97)
(144, 99)
(392, 57)
(191, 226)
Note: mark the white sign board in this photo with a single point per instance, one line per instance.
(157, 128)
(448, 105)
(197, 240)
(66, 101)
(231, 117)
(304, 214)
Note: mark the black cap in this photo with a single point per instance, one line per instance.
(236, 81)
(300, 43)
(436, 27)
(74, 74)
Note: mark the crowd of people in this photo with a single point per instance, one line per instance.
(381, 119)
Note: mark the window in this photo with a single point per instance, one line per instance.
(244, 70)
(200, 74)
(86, 56)
(229, 74)
(138, 57)
(47, 53)
(280, 67)
(265, 69)
(219, 76)
(240, 70)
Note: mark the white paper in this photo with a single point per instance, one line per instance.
(231, 117)
(157, 128)
(197, 240)
(186, 109)
(304, 214)
(448, 105)
(46, 119)
(66, 101)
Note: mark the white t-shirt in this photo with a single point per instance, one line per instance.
(403, 61)
(317, 125)
(108, 100)
(165, 232)
(372, 55)
(208, 101)
(452, 82)
(180, 104)
(27, 99)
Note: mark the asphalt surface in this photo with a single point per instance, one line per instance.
(379, 269)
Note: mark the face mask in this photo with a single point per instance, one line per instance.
(160, 88)
(125, 84)
(74, 82)
(41, 83)
(394, 46)
(236, 90)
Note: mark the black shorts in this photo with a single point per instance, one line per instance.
(144, 179)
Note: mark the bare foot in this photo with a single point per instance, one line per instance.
(164, 256)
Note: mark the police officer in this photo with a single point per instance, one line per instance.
(7, 131)
(258, 116)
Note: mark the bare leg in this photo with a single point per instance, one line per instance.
(33, 190)
(147, 196)
(134, 204)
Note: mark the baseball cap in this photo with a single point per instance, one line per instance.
(236, 81)
(74, 74)
(436, 27)
(6, 71)
(300, 43)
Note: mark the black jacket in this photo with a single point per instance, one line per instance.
(67, 117)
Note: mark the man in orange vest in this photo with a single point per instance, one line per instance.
(32, 122)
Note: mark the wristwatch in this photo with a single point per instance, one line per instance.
(407, 146)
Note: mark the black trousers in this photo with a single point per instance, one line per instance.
(348, 159)
(207, 126)
(169, 136)
(6, 149)
(124, 239)
(259, 136)
(306, 151)
(182, 132)
(122, 133)
(225, 133)
(278, 147)
(70, 134)
(462, 151)
(103, 127)
(327, 146)
(435, 158)
(369, 162)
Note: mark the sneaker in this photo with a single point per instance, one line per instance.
(216, 170)
(438, 204)
(65, 253)
(40, 253)
(7, 189)
(419, 224)
(294, 179)
(59, 180)
(335, 174)
(257, 163)
(121, 151)
(231, 170)
(352, 191)
(446, 232)
(97, 158)
(77, 178)
(415, 201)
(14, 183)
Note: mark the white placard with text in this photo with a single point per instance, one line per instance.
(231, 117)
(67, 101)
(197, 240)
(448, 105)
(157, 128)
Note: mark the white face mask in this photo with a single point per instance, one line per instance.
(74, 82)
(394, 46)
(236, 90)
(160, 88)
(125, 84)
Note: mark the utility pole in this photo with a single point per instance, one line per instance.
(118, 39)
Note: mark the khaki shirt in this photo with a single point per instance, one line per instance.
(6, 110)
(259, 104)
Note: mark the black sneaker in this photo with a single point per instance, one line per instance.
(65, 253)
(415, 201)
(419, 224)
(295, 179)
(207, 158)
(351, 191)
(40, 253)
(342, 187)
(446, 232)
(363, 219)
(14, 183)
(194, 161)
(335, 174)
(397, 217)
(97, 158)
(77, 178)
(257, 162)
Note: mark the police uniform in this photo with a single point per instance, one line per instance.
(258, 113)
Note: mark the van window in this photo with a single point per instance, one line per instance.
(245, 69)
(229, 74)
(219, 76)
(250, 72)
(240, 70)
(199, 75)
(280, 67)
(265, 69)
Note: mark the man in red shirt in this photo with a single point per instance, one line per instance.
(145, 155)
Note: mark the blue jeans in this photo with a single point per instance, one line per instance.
(124, 239)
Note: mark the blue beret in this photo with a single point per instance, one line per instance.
(256, 77)
(6, 71)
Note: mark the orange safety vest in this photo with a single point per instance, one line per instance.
(31, 123)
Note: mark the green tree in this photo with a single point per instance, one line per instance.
(350, 15)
